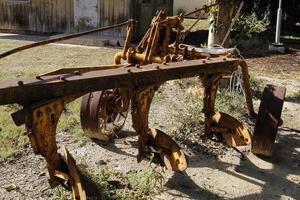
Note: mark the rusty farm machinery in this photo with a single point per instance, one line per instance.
(109, 92)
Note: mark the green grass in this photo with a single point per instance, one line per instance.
(32, 62)
(203, 24)
(134, 185)
(192, 119)
(12, 138)
(295, 96)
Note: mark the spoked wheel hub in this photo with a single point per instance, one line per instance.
(103, 113)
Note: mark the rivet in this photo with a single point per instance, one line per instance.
(77, 72)
(157, 67)
(20, 83)
(62, 78)
(129, 70)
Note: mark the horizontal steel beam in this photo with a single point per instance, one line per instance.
(27, 91)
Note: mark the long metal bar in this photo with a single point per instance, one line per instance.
(203, 8)
(48, 87)
(40, 43)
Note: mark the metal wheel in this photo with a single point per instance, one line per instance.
(103, 113)
(236, 84)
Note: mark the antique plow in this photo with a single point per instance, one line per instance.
(108, 92)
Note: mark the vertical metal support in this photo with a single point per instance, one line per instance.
(141, 101)
(210, 91)
(42, 130)
(278, 24)
(247, 87)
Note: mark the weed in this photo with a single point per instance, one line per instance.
(295, 97)
(256, 86)
(158, 97)
(134, 185)
(142, 185)
(188, 82)
(12, 139)
(70, 120)
(192, 118)
(231, 103)
(61, 194)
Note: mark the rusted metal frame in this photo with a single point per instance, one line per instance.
(153, 49)
(58, 39)
(210, 83)
(247, 87)
(150, 39)
(140, 106)
(191, 54)
(141, 46)
(77, 188)
(50, 87)
(177, 41)
(41, 121)
(79, 70)
(130, 29)
(166, 39)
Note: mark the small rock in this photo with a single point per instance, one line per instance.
(10, 187)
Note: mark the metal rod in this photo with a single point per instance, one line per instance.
(40, 43)
(205, 7)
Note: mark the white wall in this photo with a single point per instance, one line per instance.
(86, 13)
(188, 5)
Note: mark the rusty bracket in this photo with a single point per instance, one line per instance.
(169, 151)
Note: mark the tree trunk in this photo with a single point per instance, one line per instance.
(223, 21)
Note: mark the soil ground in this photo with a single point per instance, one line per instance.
(215, 171)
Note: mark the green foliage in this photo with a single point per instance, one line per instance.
(257, 86)
(61, 194)
(101, 178)
(231, 103)
(296, 96)
(191, 118)
(142, 185)
(70, 120)
(249, 26)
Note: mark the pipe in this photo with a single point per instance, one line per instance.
(278, 23)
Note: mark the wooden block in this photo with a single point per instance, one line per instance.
(268, 120)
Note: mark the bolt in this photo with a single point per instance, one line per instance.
(38, 77)
(203, 61)
(137, 66)
(62, 78)
(77, 72)
(129, 71)
(20, 83)
(157, 67)
(224, 58)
